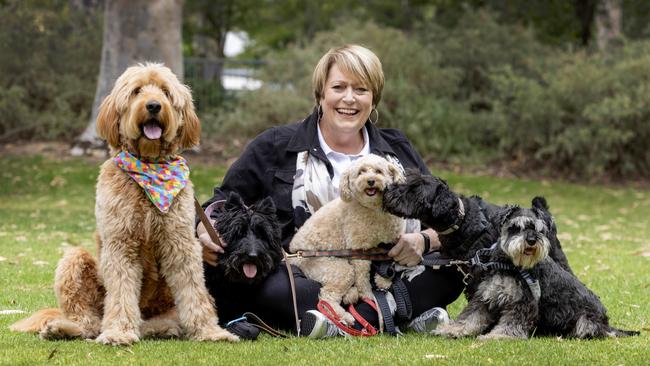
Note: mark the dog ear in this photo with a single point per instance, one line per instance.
(266, 206)
(505, 214)
(108, 123)
(540, 203)
(396, 174)
(190, 133)
(345, 190)
(233, 202)
(191, 130)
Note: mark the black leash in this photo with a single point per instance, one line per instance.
(437, 261)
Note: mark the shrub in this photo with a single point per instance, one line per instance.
(49, 57)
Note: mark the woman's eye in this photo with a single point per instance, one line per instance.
(360, 90)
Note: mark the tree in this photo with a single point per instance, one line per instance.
(608, 24)
(134, 31)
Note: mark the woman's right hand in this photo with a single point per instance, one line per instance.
(211, 250)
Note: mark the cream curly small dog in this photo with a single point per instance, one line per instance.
(353, 221)
(149, 264)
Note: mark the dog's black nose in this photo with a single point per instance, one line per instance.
(531, 240)
(371, 182)
(153, 106)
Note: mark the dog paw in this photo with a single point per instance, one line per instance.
(351, 296)
(115, 338)
(214, 334)
(382, 283)
(162, 329)
(451, 330)
(497, 336)
(347, 318)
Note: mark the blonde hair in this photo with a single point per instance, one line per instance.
(355, 61)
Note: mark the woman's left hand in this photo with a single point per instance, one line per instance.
(408, 250)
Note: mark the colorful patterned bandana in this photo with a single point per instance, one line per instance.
(160, 179)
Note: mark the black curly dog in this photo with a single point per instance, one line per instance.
(528, 286)
(253, 250)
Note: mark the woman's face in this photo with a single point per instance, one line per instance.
(346, 103)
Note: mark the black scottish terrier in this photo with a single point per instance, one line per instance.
(529, 284)
(253, 250)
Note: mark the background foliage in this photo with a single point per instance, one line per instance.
(490, 82)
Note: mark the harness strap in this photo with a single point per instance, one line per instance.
(384, 309)
(402, 299)
(400, 292)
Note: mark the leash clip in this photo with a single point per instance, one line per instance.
(297, 254)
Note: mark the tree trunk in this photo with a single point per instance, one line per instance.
(608, 24)
(134, 31)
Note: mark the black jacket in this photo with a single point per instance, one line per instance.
(268, 165)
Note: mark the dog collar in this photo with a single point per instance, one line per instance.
(459, 219)
(161, 179)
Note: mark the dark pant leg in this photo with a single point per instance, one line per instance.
(274, 302)
(434, 287)
(431, 288)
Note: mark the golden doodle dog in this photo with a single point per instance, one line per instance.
(148, 278)
(355, 220)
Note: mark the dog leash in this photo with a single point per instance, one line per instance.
(373, 254)
(206, 223)
(292, 284)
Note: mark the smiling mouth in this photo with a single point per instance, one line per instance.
(152, 129)
(347, 111)
(529, 251)
(371, 191)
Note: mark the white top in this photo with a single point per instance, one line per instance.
(341, 161)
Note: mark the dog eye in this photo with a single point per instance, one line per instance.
(136, 91)
(167, 93)
(362, 170)
(378, 171)
(513, 230)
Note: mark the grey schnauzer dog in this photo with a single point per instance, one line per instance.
(520, 284)
(520, 289)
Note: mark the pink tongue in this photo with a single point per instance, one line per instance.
(152, 131)
(250, 270)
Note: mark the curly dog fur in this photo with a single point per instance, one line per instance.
(149, 263)
(355, 220)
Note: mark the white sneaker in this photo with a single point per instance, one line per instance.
(316, 325)
(428, 321)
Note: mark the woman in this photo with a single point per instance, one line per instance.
(348, 83)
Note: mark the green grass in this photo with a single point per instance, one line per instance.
(46, 205)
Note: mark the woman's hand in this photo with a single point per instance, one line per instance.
(211, 250)
(409, 247)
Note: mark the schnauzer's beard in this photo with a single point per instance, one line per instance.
(516, 245)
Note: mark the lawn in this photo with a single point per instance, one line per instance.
(47, 205)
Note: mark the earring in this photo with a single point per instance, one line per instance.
(376, 119)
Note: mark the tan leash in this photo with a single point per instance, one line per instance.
(292, 284)
(207, 224)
